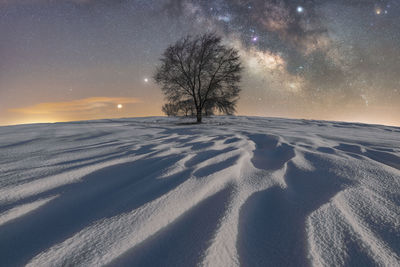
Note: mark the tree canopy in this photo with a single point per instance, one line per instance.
(202, 72)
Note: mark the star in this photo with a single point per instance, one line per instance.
(146, 80)
(300, 9)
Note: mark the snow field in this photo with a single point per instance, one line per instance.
(233, 191)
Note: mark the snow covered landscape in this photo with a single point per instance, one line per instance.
(233, 191)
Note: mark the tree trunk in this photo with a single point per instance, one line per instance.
(199, 115)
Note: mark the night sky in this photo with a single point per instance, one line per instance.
(65, 60)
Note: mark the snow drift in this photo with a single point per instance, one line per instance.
(234, 191)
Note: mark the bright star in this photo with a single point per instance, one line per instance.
(300, 9)
(119, 106)
(146, 80)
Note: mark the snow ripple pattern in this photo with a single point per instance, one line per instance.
(234, 191)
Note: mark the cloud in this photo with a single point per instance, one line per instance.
(75, 106)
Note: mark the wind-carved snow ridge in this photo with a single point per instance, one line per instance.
(234, 191)
(21, 210)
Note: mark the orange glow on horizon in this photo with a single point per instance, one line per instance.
(95, 108)
(78, 105)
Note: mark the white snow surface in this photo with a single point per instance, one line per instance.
(233, 191)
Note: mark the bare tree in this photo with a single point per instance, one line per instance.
(187, 107)
(170, 109)
(203, 70)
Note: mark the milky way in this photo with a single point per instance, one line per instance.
(323, 56)
(336, 60)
